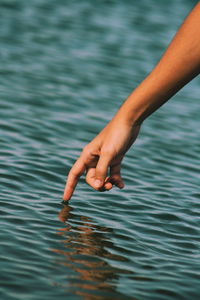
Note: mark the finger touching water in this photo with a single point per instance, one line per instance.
(101, 159)
(76, 171)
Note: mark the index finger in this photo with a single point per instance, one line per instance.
(76, 171)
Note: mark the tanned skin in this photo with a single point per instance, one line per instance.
(101, 158)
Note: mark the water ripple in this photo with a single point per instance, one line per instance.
(65, 69)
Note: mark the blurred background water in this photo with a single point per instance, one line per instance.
(66, 66)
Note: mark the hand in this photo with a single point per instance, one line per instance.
(105, 151)
(179, 65)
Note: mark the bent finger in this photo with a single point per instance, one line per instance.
(115, 176)
(90, 179)
(102, 170)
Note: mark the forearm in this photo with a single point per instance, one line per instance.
(179, 65)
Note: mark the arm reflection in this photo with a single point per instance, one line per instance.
(85, 254)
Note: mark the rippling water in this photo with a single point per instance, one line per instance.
(66, 66)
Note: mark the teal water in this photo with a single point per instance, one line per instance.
(66, 66)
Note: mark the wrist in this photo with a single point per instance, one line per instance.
(146, 98)
(127, 118)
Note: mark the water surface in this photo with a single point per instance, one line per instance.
(66, 66)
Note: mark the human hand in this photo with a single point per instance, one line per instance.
(108, 148)
(102, 157)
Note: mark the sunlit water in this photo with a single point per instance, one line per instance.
(66, 66)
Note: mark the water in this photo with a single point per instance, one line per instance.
(66, 66)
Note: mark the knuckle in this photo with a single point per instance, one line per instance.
(87, 150)
(107, 152)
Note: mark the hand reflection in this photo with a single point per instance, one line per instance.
(64, 213)
(86, 257)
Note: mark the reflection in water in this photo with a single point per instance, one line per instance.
(92, 277)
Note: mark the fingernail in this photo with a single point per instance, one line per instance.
(97, 183)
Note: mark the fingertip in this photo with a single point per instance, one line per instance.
(108, 186)
(121, 185)
(65, 198)
(65, 201)
(67, 194)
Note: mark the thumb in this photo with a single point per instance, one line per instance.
(102, 170)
